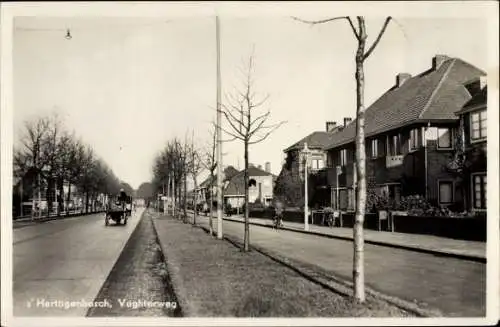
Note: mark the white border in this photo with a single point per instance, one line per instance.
(486, 9)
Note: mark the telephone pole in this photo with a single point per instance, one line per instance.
(219, 134)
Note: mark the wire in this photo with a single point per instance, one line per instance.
(69, 30)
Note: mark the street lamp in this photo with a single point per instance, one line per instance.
(305, 153)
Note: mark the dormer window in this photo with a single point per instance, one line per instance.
(478, 123)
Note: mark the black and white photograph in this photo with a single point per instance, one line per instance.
(263, 163)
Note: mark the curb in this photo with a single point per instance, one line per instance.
(398, 246)
(336, 284)
(177, 284)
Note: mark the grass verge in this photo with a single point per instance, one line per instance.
(219, 280)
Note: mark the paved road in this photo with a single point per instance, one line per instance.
(64, 260)
(456, 287)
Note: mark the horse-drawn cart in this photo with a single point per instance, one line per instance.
(117, 211)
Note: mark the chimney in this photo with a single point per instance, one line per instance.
(347, 120)
(330, 126)
(438, 60)
(268, 167)
(401, 78)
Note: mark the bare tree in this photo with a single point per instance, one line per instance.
(29, 160)
(248, 125)
(362, 53)
(208, 161)
(195, 167)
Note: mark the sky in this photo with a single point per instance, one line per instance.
(128, 85)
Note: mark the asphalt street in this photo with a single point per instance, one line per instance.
(65, 260)
(454, 286)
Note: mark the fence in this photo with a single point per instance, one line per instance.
(463, 228)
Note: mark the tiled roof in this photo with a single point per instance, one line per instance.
(228, 173)
(432, 95)
(315, 140)
(236, 184)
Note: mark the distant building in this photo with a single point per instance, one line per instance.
(260, 190)
(290, 181)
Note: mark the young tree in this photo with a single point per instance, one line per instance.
(248, 125)
(208, 161)
(195, 167)
(362, 53)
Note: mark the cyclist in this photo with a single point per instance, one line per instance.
(278, 213)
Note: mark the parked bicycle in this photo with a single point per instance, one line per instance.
(330, 217)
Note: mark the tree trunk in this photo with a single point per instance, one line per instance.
(33, 199)
(60, 196)
(48, 195)
(185, 199)
(358, 262)
(68, 199)
(247, 225)
(87, 202)
(195, 200)
(211, 203)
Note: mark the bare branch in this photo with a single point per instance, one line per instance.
(261, 102)
(233, 124)
(377, 40)
(239, 137)
(260, 124)
(267, 134)
(316, 22)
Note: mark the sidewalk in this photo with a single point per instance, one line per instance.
(469, 250)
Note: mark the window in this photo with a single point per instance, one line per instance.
(317, 164)
(445, 192)
(479, 191)
(415, 138)
(394, 145)
(478, 125)
(375, 148)
(343, 157)
(329, 160)
(444, 138)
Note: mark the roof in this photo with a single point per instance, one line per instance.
(228, 173)
(315, 140)
(478, 100)
(236, 184)
(434, 95)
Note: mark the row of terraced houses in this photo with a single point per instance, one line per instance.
(425, 136)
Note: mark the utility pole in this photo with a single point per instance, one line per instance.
(306, 201)
(219, 134)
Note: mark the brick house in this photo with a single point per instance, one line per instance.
(472, 154)
(203, 190)
(260, 190)
(290, 182)
(410, 132)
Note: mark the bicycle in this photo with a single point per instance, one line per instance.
(277, 222)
